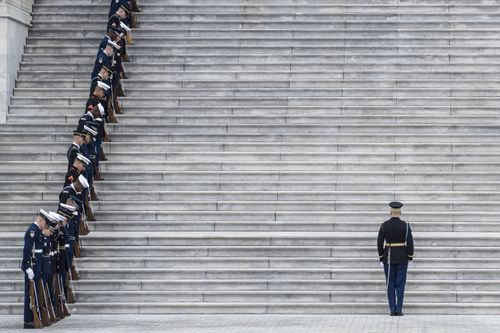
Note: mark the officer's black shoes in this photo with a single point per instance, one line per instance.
(399, 314)
(393, 314)
(29, 325)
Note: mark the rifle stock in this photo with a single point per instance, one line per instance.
(84, 228)
(34, 306)
(59, 303)
(71, 298)
(42, 304)
(74, 272)
(64, 305)
(50, 306)
(77, 249)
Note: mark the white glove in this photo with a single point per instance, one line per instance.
(30, 273)
(381, 264)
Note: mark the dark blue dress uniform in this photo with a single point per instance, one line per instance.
(73, 151)
(71, 229)
(395, 249)
(126, 5)
(32, 258)
(62, 240)
(47, 263)
(102, 59)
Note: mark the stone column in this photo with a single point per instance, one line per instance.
(15, 17)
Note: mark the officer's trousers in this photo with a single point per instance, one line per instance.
(395, 277)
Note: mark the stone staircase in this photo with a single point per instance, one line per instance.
(260, 145)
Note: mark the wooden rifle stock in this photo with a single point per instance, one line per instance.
(76, 247)
(34, 306)
(59, 300)
(71, 298)
(42, 304)
(50, 305)
(84, 228)
(74, 272)
(62, 298)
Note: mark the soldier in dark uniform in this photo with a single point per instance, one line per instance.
(47, 263)
(103, 58)
(395, 249)
(54, 279)
(76, 169)
(74, 149)
(70, 196)
(32, 261)
(69, 212)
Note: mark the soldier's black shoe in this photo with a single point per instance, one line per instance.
(399, 314)
(393, 314)
(29, 325)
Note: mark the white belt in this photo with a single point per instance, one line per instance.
(38, 250)
(66, 246)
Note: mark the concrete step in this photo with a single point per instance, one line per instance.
(274, 166)
(269, 226)
(312, 251)
(254, 273)
(196, 111)
(349, 29)
(312, 149)
(49, 93)
(247, 139)
(262, 285)
(109, 188)
(449, 178)
(245, 262)
(272, 296)
(266, 308)
(76, 85)
(281, 197)
(373, 38)
(278, 238)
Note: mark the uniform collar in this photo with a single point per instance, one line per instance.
(76, 145)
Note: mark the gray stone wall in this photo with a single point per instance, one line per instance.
(14, 22)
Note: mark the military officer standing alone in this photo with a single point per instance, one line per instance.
(395, 250)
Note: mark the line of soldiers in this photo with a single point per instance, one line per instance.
(52, 242)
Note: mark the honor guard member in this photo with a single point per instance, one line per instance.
(47, 263)
(120, 15)
(54, 278)
(116, 22)
(395, 249)
(91, 128)
(70, 195)
(132, 4)
(74, 149)
(103, 59)
(76, 169)
(93, 118)
(94, 115)
(68, 212)
(32, 264)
